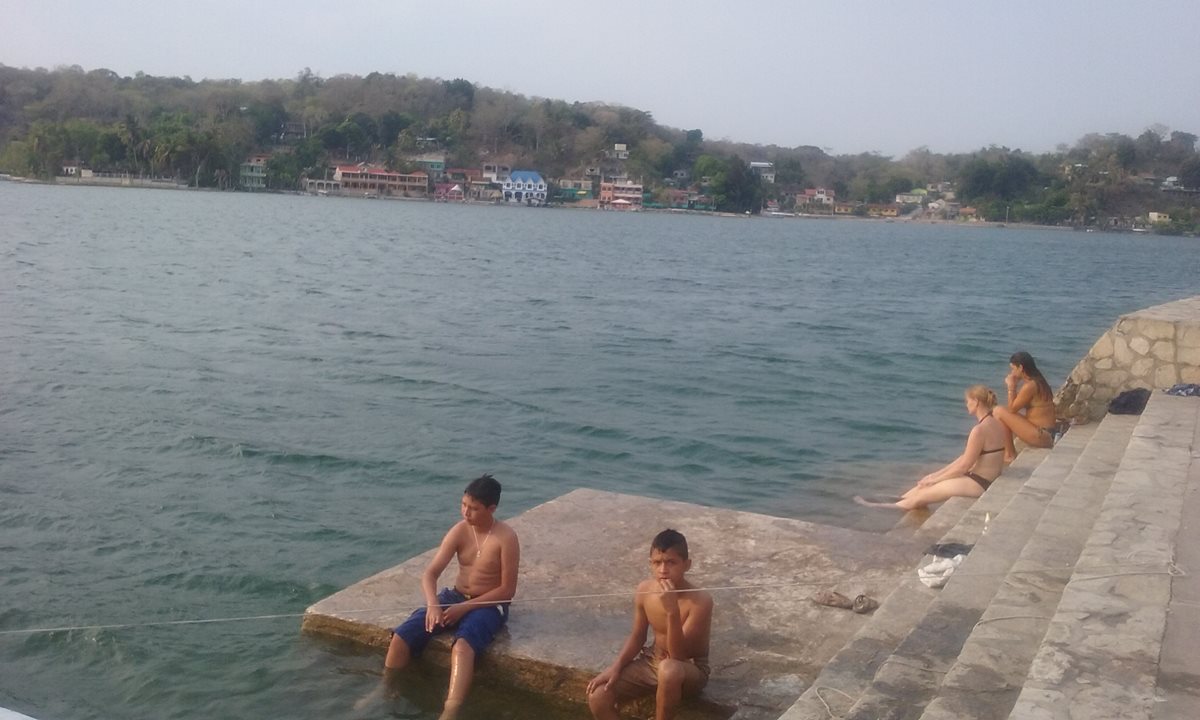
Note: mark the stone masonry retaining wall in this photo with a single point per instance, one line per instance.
(1153, 348)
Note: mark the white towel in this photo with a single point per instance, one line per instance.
(936, 573)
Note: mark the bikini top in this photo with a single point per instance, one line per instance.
(987, 452)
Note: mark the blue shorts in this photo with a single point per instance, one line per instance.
(478, 627)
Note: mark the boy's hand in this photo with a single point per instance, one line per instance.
(668, 597)
(602, 681)
(433, 617)
(455, 612)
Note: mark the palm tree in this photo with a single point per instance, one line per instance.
(135, 142)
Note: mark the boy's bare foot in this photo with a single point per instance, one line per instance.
(450, 712)
(370, 698)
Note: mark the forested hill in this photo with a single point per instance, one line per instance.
(202, 131)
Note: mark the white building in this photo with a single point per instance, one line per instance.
(525, 186)
(620, 151)
(496, 172)
(816, 196)
(763, 169)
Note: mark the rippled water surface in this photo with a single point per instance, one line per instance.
(217, 405)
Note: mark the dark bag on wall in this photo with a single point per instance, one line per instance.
(1130, 402)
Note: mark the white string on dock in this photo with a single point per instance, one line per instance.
(1122, 570)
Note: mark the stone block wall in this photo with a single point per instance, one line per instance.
(1153, 348)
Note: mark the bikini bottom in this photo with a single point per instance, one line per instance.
(983, 482)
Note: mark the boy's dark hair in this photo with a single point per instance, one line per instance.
(485, 489)
(668, 539)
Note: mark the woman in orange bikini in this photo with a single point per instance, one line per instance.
(972, 472)
(1029, 413)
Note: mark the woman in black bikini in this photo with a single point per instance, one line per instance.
(1030, 411)
(970, 473)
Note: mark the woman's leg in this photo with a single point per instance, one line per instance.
(1016, 424)
(950, 487)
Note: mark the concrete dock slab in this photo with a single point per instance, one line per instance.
(583, 553)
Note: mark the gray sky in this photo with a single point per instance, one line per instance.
(846, 75)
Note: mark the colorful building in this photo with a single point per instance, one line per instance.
(574, 189)
(496, 172)
(371, 180)
(524, 186)
(816, 196)
(434, 164)
(621, 195)
(463, 175)
(252, 174)
(322, 187)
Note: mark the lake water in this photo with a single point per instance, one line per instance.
(224, 405)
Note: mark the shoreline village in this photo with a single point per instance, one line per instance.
(388, 136)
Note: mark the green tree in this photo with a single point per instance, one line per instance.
(356, 140)
(709, 166)
(738, 189)
(390, 125)
(462, 93)
(1125, 152)
(137, 144)
(686, 151)
(1008, 177)
(283, 171)
(47, 143)
(789, 171)
(17, 159)
(268, 119)
(1189, 173)
(897, 185)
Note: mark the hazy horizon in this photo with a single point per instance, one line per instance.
(867, 78)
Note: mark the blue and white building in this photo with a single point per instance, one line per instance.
(525, 186)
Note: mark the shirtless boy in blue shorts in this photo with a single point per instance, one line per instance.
(676, 665)
(476, 607)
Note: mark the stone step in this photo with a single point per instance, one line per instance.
(985, 680)
(910, 677)
(844, 678)
(1179, 664)
(1100, 656)
(921, 531)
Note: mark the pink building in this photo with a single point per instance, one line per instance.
(620, 195)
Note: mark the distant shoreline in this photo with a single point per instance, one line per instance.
(153, 184)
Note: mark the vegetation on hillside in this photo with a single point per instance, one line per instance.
(201, 131)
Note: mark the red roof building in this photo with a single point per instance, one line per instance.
(374, 180)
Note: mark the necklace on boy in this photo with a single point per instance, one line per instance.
(479, 545)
